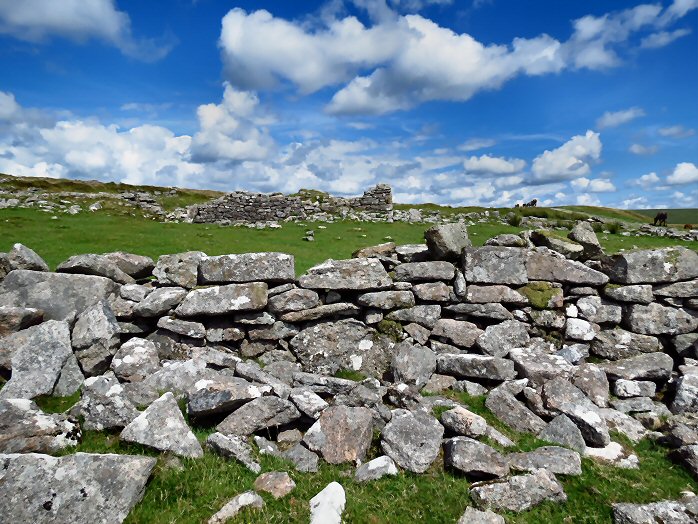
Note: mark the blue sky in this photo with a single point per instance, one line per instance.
(474, 102)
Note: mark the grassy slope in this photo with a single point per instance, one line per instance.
(607, 212)
(192, 494)
(676, 216)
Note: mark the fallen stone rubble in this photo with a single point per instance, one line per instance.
(567, 347)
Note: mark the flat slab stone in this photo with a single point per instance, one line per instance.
(648, 366)
(97, 265)
(669, 511)
(519, 493)
(475, 366)
(248, 499)
(654, 266)
(219, 300)
(260, 413)
(459, 332)
(555, 459)
(352, 274)
(387, 299)
(541, 264)
(81, 489)
(425, 271)
(474, 459)
(162, 426)
(247, 267)
(495, 265)
(655, 319)
(617, 343)
(223, 397)
(59, 295)
(424, 315)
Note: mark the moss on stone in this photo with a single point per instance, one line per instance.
(391, 329)
(540, 294)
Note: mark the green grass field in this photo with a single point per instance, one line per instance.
(56, 240)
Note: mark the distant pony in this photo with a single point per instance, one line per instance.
(661, 218)
(688, 226)
(532, 203)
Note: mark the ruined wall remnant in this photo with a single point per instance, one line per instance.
(261, 207)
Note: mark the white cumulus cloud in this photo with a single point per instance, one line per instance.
(684, 173)
(571, 160)
(677, 131)
(648, 180)
(639, 149)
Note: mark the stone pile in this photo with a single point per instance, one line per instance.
(242, 206)
(565, 343)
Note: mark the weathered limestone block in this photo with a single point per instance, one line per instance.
(219, 300)
(59, 295)
(653, 266)
(353, 274)
(247, 267)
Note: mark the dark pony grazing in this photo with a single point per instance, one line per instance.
(661, 218)
(532, 203)
(688, 226)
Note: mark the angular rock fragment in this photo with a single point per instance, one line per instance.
(495, 265)
(231, 446)
(302, 458)
(160, 301)
(345, 344)
(426, 315)
(649, 366)
(136, 266)
(669, 511)
(13, 319)
(542, 264)
(375, 469)
(653, 266)
(248, 499)
(425, 271)
(459, 332)
(24, 428)
(135, 360)
(219, 300)
(446, 241)
(494, 294)
(223, 397)
(507, 408)
(499, 339)
(161, 426)
(293, 300)
(413, 364)
(308, 402)
(559, 461)
(634, 294)
(277, 483)
(655, 319)
(686, 398)
(183, 327)
(561, 430)
(22, 257)
(475, 516)
(475, 366)
(617, 343)
(327, 506)
(344, 309)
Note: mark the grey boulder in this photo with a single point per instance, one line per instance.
(220, 300)
(425, 271)
(495, 265)
(260, 413)
(653, 266)
(341, 434)
(135, 360)
(475, 366)
(446, 241)
(180, 269)
(412, 439)
(648, 366)
(136, 266)
(413, 364)
(474, 459)
(22, 257)
(655, 319)
(557, 460)
(499, 339)
(231, 446)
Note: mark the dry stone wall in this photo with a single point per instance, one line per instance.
(563, 341)
(242, 206)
